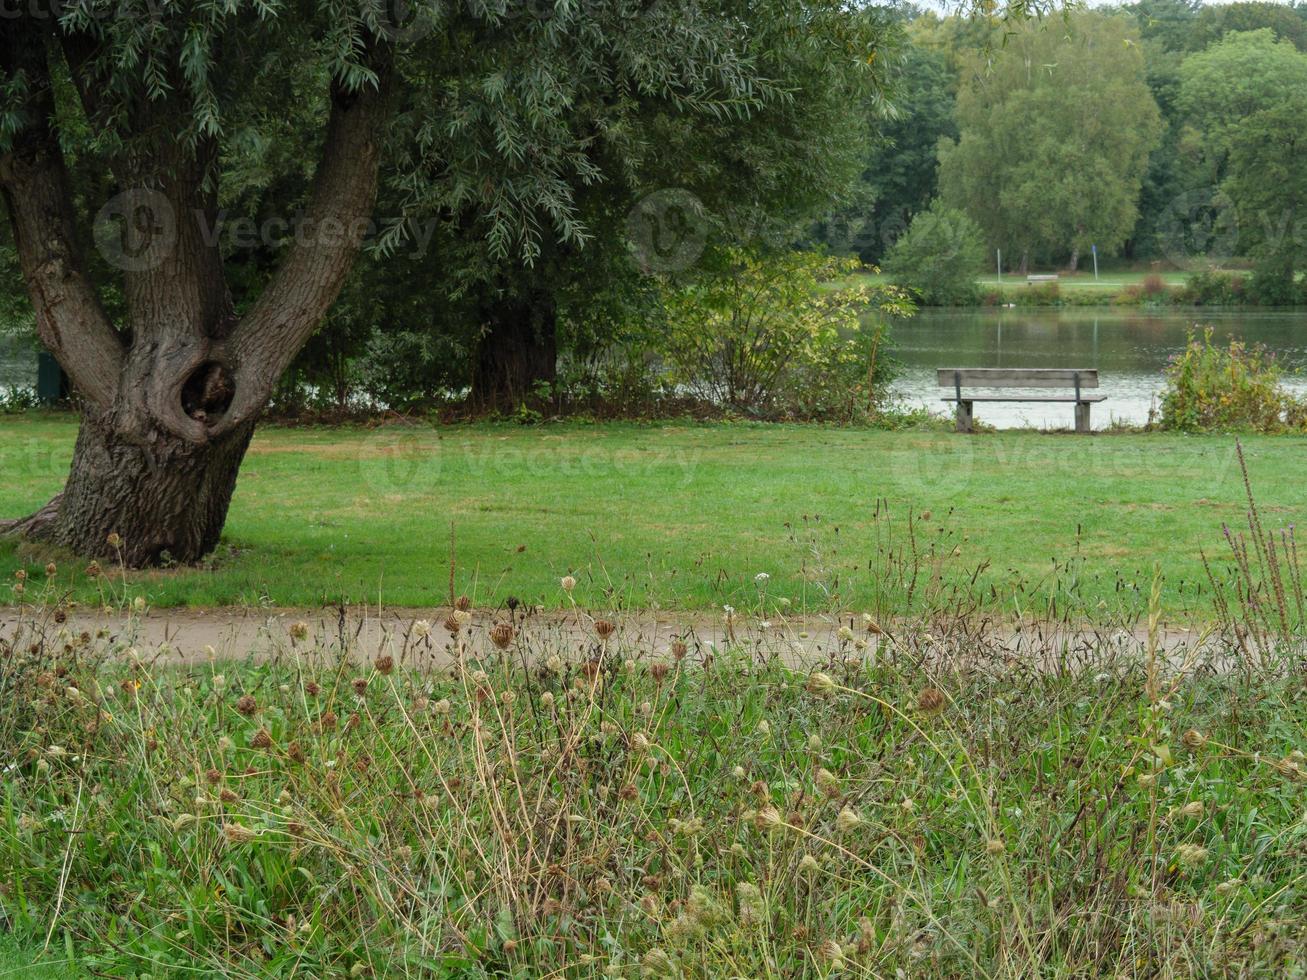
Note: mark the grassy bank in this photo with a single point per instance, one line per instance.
(685, 516)
(912, 807)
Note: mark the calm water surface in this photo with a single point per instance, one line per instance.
(1130, 351)
(17, 363)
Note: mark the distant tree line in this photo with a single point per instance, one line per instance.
(1157, 131)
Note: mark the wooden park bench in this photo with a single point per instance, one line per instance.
(1075, 379)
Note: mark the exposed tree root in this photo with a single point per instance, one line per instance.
(33, 525)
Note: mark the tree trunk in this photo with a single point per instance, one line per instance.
(1075, 258)
(517, 351)
(170, 402)
(164, 500)
(1024, 267)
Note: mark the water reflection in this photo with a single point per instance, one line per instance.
(1130, 350)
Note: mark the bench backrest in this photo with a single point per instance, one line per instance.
(1018, 377)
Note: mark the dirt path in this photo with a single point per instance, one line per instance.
(191, 636)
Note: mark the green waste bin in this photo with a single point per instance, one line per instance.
(51, 382)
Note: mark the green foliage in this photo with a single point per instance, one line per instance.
(1212, 287)
(762, 334)
(1222, 87)
(1056, 128)
(1210, 388)
(939, 257)
(899, 173)
(1267, 184)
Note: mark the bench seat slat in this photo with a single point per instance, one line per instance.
(1027, 398)
(1017, 377)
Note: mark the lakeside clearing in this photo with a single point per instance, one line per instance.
(685, 516)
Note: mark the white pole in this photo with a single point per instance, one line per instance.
(1000, 262)
(1094, 248)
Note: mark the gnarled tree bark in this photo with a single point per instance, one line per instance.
(171, 399)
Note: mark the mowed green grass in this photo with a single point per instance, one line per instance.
(684, 516)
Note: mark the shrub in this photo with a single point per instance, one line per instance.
(1273, 285)
(1209, 387)
(939, 257)
(1154, 285)
(768, 335)
(1211, 287)
(17, 399)
(1040, 294)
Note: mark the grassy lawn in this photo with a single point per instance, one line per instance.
(684, 515)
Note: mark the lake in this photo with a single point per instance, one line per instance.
(17, 363)
(1130, 350)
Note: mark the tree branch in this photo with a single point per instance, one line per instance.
(339, 213)
(34, 182)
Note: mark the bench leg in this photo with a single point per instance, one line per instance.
(1082, 416)
(964, 416)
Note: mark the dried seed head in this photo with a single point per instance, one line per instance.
(262, 739)
(809, 864)
(385, 665)
(828, 782)
(213, 776)
(227, 795)
(658, 671)
(931, 701)
(441, 707)
(50, 570)
(833, 953)
(547, 699)
(995, 846)
(768, 818)
(604, 628)
(451, 624)
(246, 705)
(463, 604)
(299, 631)
(1190, 855)
(1194, 739)
(501, 635)
(847, 821)
(237, 833)
(820, 683)
(568, 583)
(421, 629)
(312, 689)
(114, 540)
(360, 685)
(296, 753)
(679, 649)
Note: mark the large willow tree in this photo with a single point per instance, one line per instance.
(490, 112)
